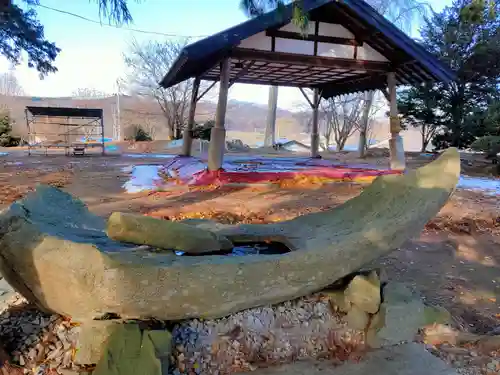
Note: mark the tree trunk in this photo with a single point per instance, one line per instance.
(363, 130)
(170, 130)
(424, 139)
(341, 146)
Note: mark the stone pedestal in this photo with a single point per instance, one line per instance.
(397, 153)
(216, 149)
(187, 142)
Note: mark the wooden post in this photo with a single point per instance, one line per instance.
(30, 139)
(396, 142)
(187, 137)
(270, 135)
(102, 135)
(218, 133)
(315, 127)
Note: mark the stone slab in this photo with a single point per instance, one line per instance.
(407, 359)
(404, 314)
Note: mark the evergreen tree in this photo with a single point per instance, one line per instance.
(20, 31)
(419, 108)
(470, 44)
(6, 138)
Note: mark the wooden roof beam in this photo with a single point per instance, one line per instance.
(307, 60)
(313, 38)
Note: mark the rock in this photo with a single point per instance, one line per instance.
(378, 319)
(372, 340)
(357, 318)
(337, 299)
(404, 314)
(92, 340)
(408, 359)
(133, 351)
(164, 234)
(65, 371)
(57, 254)
(364, 292)
(436, 314)
(28, 329)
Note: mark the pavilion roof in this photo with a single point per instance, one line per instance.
(411, 63)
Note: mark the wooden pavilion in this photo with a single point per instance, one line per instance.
(348, 47)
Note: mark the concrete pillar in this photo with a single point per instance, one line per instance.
(187, 136)
(270, 135)
(218, 133)
(396, 142)
(315, 126)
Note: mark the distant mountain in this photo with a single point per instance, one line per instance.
(241, 116)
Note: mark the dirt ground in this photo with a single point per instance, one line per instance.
(454, 262)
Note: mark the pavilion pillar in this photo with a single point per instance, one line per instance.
(218, 133)
(187, 137)
(397, 153)
(270, 134)
(315, 125)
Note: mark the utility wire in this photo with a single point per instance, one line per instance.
(118, 27)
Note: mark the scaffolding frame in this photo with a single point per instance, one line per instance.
(64, 115)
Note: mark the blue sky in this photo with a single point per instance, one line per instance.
(91, 54)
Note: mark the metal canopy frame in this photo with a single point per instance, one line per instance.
(39, 116)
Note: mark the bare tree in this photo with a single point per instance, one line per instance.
(149, 126)
(342, 116)
(374, 101)
(9, 85)
(88, 93)
(147, 64)
(404, 14)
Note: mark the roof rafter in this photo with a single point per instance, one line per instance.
(313, 61)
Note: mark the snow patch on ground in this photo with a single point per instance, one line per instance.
(160, 156)
(485, 185)
(142, 178)
(175, 143)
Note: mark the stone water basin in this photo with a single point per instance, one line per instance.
(248, 248)
(53, 232)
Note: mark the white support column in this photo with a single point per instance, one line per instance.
(315, 125)
(218, 133)
(270, 135)
(396, 142)
(187, 136)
